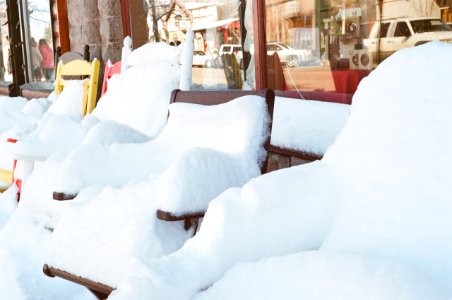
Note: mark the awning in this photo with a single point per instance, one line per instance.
(214, 24)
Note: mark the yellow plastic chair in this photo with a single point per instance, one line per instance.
(77, 68)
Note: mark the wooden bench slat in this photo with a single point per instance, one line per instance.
(295, 153)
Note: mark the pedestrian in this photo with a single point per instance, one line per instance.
(47, 59)
(175, 41)
(36, 59)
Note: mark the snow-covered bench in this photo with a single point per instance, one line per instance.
(304, 129)
(240, 126)
(373, 217)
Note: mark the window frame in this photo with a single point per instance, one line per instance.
(16, 19)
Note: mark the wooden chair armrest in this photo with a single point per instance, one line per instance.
(61, 196)
(100, 290)
(171, 217)
(190, 219)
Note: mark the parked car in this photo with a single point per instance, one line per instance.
(232, 48)
(386, 38)
(289, 56)
(201, 59)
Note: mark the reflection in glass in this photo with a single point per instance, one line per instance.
(40, 45)
(217, 59)
(5, 64)
(330, 45)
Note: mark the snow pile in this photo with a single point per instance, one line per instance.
(109, 132)
(9, 108)
(403, 172)
(227, 128)
(308, 126)
(51, 132)
(219, 146)
(321, 275)
(70, 99)
(8, 204)
(141, 110)
(153, 53)
(137, 99)
(27, 229)
(140, 97)
(377, 207)
(21, 258)
(54, 133)
(19, 115)
(260, 220)
(8, 278)
(6, 153)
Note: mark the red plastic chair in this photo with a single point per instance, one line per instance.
(110, 70)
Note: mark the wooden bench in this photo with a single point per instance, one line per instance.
(101, 290)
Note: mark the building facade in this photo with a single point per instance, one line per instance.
(301, 48)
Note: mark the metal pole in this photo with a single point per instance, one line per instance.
(15, 45)
(28, 62)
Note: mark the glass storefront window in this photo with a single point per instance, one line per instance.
(5, 66)
(330, 45)
(38, 32)
(218, 56)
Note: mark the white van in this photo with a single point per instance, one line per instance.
(232, 48)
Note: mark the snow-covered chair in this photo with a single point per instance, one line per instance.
(149, 75)
(110, 70)
(372, 217)
(80, 68)
(213, 140)
(86, 98)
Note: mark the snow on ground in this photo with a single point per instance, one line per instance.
(18, 112)
(208, 128)
(134, 109)
(321, 275)
(377, 207)
(371, 220)
(18, 118)
(219, 146)
(187, 128)
(45, 212)
(309, 126)
(27, 230)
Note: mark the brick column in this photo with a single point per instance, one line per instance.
(110, 29)
(98, 23)
(84, 26)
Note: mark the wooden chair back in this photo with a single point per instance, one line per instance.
(80, 68)
(219, 97)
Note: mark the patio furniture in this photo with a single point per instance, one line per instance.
(80, 68)
(217, 100)
(76, 69)
(139, 60)
(381, 195)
